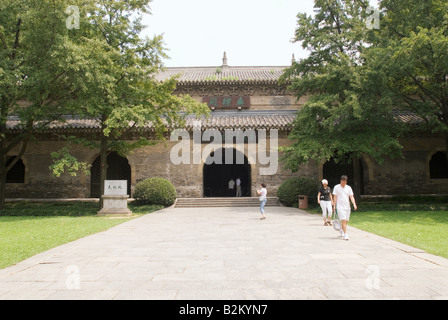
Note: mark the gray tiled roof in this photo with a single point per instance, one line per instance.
(246, 120)
(223, 74)
(408, 117)
(70, 122)
(218, 120)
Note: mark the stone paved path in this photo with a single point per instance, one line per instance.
(228, 254)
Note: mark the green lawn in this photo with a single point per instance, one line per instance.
(27, 229)
(427, 230)
(421, 222)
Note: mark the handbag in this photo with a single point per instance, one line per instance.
(336, 222)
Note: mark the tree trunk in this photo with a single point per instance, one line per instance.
(446, 148)
(3, 173)
(3, 152)
(357, 179)
(103, 166)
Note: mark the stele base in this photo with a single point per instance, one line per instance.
(115, 206)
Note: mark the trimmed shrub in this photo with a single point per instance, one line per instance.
(289, 191)
(155, 191)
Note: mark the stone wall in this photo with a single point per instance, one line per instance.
(400, 176)
(410, 175)
(259, 102)
(40, 183)
(188, 178)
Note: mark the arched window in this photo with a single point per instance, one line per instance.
(17, 172)
(438, 166)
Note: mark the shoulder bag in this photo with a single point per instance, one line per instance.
(336, 222)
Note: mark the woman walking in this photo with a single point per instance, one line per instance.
(262, 193)
(325, 199)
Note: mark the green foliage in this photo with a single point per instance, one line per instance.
(349, 108)
(37, 66)
(357, 78)
(413, 50)
(120, 90)
(104, 70)
(155, 191)
(64, 161)
(289, 191)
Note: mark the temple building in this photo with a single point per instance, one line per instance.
(243, 100)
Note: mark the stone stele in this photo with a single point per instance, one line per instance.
(115, 199)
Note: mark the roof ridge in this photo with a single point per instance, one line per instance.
(227, 67)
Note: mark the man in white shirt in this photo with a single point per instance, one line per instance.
(343, 193)
(238, 187)
(231, 188)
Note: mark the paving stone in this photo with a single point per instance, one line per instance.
(227, 254)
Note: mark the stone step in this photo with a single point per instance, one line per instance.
(223, 202)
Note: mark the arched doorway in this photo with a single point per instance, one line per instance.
(17, 172)
(216, 176)
(118, 168)
(438, 166)
(333, 171)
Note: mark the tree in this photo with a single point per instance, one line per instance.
(35, 81)
(119, 90)
(348, 113)
(413, 50)
(51, 68)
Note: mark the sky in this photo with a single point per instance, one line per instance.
(252, 32)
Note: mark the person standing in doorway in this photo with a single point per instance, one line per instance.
(343, 194)
(263, 192)
(325, 199)
(238, 187)
(231, 188)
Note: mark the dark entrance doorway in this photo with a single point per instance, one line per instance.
(333, 171)
(438, 166)
(217, 176)
(118, 168)
(17, 172)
